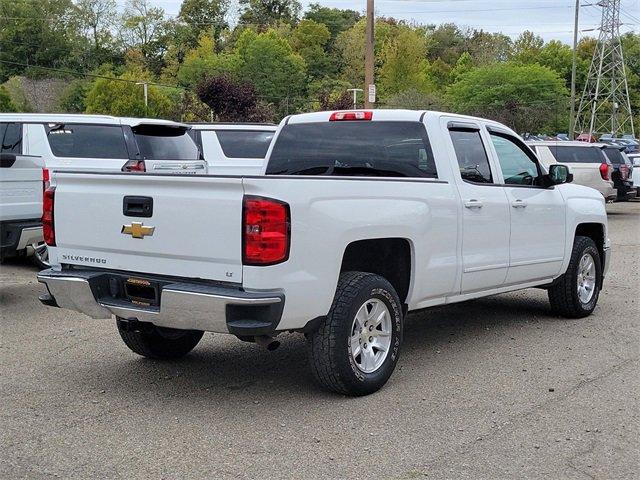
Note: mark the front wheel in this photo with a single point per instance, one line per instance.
(158, 342)
(575, 294)
(355, 349)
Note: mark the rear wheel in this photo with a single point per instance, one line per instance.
(158, 342)
(355, 349)
(575, 294)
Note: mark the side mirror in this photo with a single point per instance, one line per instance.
(7, 160)
(559, 174)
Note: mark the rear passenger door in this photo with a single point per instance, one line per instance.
(536, 246)
(485, 210)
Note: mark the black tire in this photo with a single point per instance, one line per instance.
(329, 348)
(563, 294)
(158, 342)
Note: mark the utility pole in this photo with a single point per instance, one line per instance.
(605, 106)
(369, 57)
(572, 117)
(355, 96)
(145, 88)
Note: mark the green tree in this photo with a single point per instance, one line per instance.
(309, 39)
(73, 97)
(525, 97)
(485, 47)
(123, 97)
(527, 48)
(267, 61)
(44, 33)
(145, 29)
(265, 13)
(403, 62)
(203, 61)
(6, 105)
(558, 57)
(335, 19)
(202, 17)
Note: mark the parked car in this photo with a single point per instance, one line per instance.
(360, 217)
(621, 174)
(635, 171)
(585, 137)
(102, 143)
(21, 187)
(234, 148)
(586, 162)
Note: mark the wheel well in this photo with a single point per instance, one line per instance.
(595, 231)
(387, 257)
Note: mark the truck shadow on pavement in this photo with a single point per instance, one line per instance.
(224, 369)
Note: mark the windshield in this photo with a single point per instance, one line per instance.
(614, 155)
(159, 142)
(362, 148)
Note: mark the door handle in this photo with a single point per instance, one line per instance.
(519, 204)
(473, 203)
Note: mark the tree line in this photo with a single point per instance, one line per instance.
(258, 60)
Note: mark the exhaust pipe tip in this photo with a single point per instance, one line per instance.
(267, 342)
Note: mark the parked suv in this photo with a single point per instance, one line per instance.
(586, 162)
(234, 148)
(100, 143)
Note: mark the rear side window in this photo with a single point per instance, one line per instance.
(569, 154)
(472, 157)
(244, 143)
(614, 155)
(11, 138)
(158, 142)
(358, 148)
(87, 141)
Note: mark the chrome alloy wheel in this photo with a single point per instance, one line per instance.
(370, 339)
(586, 278)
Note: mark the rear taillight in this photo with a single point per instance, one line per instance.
(624, 172)
(134, 166)
(605, 171)
(265, 234)
(48, 230)
(46, 179)
(350, 115)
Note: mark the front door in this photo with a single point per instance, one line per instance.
(537, 214)
(485, 212)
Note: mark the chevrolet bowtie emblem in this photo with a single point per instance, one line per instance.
(137, 230)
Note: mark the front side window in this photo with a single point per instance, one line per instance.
(244, 143)
(86, 141)
(11, 138)
(472, 157)
(353, 148)
(518, 168)
(160, 142)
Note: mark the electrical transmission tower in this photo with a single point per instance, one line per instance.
(605, 106)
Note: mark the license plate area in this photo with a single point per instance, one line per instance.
(140, 291)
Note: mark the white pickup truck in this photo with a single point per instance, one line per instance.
(361, 216)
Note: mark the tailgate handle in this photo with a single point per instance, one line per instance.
(137, 206)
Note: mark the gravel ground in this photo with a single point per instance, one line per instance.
(493, 388)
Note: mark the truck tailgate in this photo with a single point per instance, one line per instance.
(193, 231)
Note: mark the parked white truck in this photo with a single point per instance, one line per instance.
(361, 216)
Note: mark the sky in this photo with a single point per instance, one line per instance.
(551, 19)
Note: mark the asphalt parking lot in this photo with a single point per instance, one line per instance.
(494, 388)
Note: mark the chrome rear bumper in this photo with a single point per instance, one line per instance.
(188, 306)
